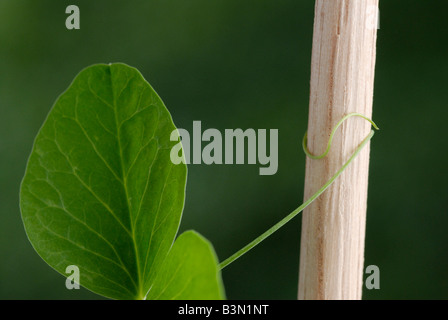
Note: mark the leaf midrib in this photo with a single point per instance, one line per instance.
(139, 296)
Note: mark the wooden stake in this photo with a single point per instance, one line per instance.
(342, 73)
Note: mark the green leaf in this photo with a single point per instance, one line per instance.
(100, 191)
(189, 272)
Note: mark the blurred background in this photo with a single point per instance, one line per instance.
(242, 64)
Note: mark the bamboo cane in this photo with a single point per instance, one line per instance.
(342, 73)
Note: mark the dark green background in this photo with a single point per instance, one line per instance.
(242, 63)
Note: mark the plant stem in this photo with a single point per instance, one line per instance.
(286, 219)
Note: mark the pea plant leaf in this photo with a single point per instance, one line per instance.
(187, 271)
(101, 193)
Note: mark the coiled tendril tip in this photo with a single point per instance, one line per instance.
(323, 155)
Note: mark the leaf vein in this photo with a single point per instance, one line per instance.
(80, 247)
(155, 220)
(105, 205)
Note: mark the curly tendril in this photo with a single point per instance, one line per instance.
(286, 219)
(323, 155)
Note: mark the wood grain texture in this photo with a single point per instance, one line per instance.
(342, 74)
